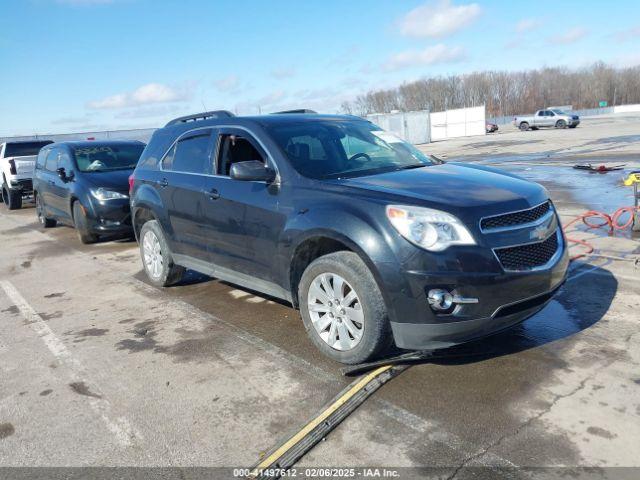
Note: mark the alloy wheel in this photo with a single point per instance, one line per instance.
(153, 260)
(336, 311)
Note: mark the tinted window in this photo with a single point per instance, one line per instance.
(105, 158)
(349, 149)
(24, 149)
(190, 154)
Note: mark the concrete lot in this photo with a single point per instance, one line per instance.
(97, 368)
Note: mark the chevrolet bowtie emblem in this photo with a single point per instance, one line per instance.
(539, 233)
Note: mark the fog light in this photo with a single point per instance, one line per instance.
(440, 299)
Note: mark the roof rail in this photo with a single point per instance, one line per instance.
(300, 110)
(201, 116)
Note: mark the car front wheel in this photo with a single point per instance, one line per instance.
(342, 308)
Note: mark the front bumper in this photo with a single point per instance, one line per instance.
(110, 217)
(504, 300)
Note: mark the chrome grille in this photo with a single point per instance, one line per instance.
(514, 219)
(529, 256)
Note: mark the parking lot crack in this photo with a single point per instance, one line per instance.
(524, 425)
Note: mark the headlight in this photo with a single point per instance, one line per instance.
(430, 229)
(102, 194)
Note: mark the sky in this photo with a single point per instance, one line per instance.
(82, 65)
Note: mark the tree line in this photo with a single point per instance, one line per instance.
(507, 93)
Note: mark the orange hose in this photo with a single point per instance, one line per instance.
(612, 222)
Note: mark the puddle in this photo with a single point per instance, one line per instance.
(597, 191)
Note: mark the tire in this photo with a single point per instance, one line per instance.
(372, 336)
(11, 198)
(41, 212)
(561, 124)
(82, 227)
(524, 126)
(167, 273)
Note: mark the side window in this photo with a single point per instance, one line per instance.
(542, 113)
(64, 161)
(551, 114)
(51, 163)
(42, 156)
(234, 148)
(190, 154)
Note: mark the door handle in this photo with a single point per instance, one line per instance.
(51, 182)
(163, 183)
(213, 194)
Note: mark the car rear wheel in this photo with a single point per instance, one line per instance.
(524, 126)
(81, 224)
(156, 256)
(342, 308)
(41, 211)
(561, 124)
(11, 198)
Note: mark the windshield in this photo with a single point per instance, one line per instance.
(24, 149)
(330, 149)
(105, 158)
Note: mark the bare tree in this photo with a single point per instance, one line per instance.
(507, 93)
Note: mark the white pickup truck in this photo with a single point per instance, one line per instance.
(550, 117)
(17, 160)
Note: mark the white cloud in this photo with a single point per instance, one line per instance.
(571, 35)
(527, 25)
(229, 83)
(433, 55)
(438, 19)
(148, 94)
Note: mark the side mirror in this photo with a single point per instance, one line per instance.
(253, 170)
(62, 173)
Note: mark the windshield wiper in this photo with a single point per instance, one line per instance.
(415, 165)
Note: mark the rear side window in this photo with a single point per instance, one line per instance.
(190, 154)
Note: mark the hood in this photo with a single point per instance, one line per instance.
(117, 180)
(455, 188)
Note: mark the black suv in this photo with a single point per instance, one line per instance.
(368, 237)
(86, 184)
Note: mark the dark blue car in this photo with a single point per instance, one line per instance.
(371, 239)
(85, 184)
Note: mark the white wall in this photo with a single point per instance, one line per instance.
(462, 122)
(410, 126)
(626, 108)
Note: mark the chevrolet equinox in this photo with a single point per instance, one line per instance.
(370, 238)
